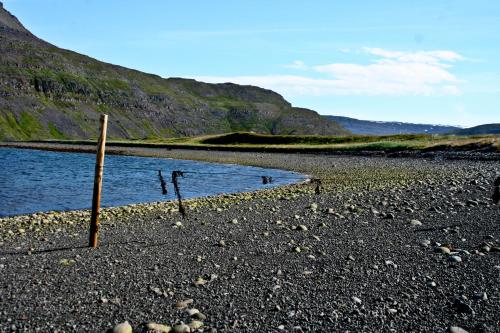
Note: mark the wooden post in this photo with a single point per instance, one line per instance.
(96, 197)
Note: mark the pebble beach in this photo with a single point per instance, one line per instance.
(387, 245)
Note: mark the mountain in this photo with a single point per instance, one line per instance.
(479, 130)
(48, 92)
(368, 127)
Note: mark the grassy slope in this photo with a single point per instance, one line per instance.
(253, 141)
(51, 93)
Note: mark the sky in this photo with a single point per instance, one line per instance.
(413, 61)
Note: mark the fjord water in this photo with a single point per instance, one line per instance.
(34, 180)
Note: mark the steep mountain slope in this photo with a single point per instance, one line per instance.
(480, 130)
(48, 92)
(367, 127)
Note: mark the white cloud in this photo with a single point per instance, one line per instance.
(428, 57)
(391, 73)
(297, 64)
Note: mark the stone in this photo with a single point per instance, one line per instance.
(195, 324)
(199, 316)
(456, 329)
(123, 328)
(183, 304)
(200, 281)
(415, 223)
(302, 227)
(481, 296)
(182, 328)
(66, 262)
(442, 249)
(454, 259)
(356, 300)
(425, 243)
(192, 312)
(158, 328)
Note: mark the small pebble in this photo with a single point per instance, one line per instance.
(182, 328)
(456, 329)
(123, 328)
(415, 223)
(159, 328)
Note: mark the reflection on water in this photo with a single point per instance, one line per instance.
(33, 180)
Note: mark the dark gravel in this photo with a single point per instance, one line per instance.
(361, 265)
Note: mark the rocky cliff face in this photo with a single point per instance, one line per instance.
(48, 92)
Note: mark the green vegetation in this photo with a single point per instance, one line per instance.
(56, 133)
(262, 139)
(313, 143)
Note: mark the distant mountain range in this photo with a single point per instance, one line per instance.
(479, 130)
(48, 92)
(368, 127)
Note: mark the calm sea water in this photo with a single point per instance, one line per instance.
(34, 180)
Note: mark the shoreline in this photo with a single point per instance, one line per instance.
(376, 250)
(121, 147)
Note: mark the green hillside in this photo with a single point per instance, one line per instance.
(51, 93)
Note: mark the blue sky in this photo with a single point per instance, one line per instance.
(413, 61)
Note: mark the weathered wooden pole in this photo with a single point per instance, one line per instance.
(96, 197)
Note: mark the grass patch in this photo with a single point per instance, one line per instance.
(55, 133)
(264, 139)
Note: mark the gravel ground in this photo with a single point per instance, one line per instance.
(389, 245)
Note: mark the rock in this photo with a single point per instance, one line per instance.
(123, 328)
(456, 329)
(425, 243)
(158, 328)
(182, 328)
(415, 223)
(200, 281)
(66, 262)
(234, 221)
(485, 248)
(314, 206)
(442, 249)
(195, 324)
(356, 300)
(183, 304)
(297, 249)
(192, 312)
(481, 296)
(454, 259)
(392, 311)
(222, 243)
(199, 316)
(302, 227)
